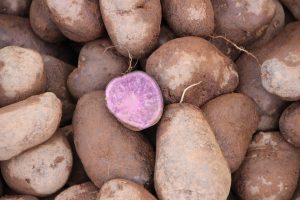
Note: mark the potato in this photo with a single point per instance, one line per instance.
(15, 7)
(18, 197)
(226, 48)
(79, 20)
(106, 148)
(182, 62)
(30, 122)
(97, 65)
(132, 25)
(293, 6)
(270, 170)
(41, 23)
(42, 170)
(189, 17)
(21, 74)
(119, 189)
(85, 191)
(234, 119)
(189, 162)
(57, 73)
(290, 124)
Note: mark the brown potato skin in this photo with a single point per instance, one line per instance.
(234, 119)
(120, 189)
(15, 7)
(18, 197)
(275, 164)
(189, 17)
(189, 162)
(182, 62)
(106, 148)
(293, 6)
(289, 124)
(97, 65)
(226, 48)
(41, 23)
(84, 191)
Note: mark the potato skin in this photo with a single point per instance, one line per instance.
(120, 189)
(182, 62)
(15, 7)
(293, 6)
(84, 191)
(275, 164)
(97, 65)
(189, 162)
(21, 74)
(132, 25)
(18, 197)
(42, 170)
(234, 119)
(106, 148)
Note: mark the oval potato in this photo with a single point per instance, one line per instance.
(84, 191)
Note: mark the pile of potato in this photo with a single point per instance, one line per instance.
(149, 99)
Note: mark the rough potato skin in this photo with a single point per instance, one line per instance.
(98, 64)
(84, 191)
(21, 74)
(182, 62)
(78, 20)
(189, 162)
(293, 6)
(42, 170)
(289, 124)
(18, 197)
(41, 23)
(106, 148)
(31, 122)
(120, 189)
(275, 164)
(189, 17)
(132, 25)
(15, 7)
(234, 119)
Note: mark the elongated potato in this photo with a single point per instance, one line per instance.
(189, 162)
(293, 6)
(18, 197)
(106, 148)
(85, 191)
(185, 61)
(15, 7)
(30, 122)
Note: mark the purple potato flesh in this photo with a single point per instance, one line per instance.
(135, 99)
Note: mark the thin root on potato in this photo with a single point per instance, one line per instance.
(186, 89)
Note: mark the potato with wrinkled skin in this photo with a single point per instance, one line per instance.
(18, 197)
(189, 162)
(182, 62)
(15, 7)
(84, 191)
(132, 25)
(79, 20)
(270, 169)
(42, 170)
(98, 64)
(31, 122)
(120, 189)
(293, 6)
(234, 119)
(106, 148)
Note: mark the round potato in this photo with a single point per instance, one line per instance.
(79, 20)
(98, 64)
(119, 189)
(234, 119)
(293, 6)
(41, 23)
(21, 74)
(182, 62)
(132, 25)
(189, 162)
(18, 197)
(31, 122)
(106, 148)
(42, 170)
(189, 17)
(270, 169)
(84, 191)
(15, 7)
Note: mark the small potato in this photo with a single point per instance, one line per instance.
(189, 162)
(98, 63)
(41, 23)
(78, 20)
(270, 169)
(234, 119)
(18, 197)
(85, 191)
(290, 124)
(21, 74)
(182, 62)
(15, 7)
(189, 17)
(132, 25)
(30, 122)
(120, 189)
(42, 170)
(293, 6)
(106, 148)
